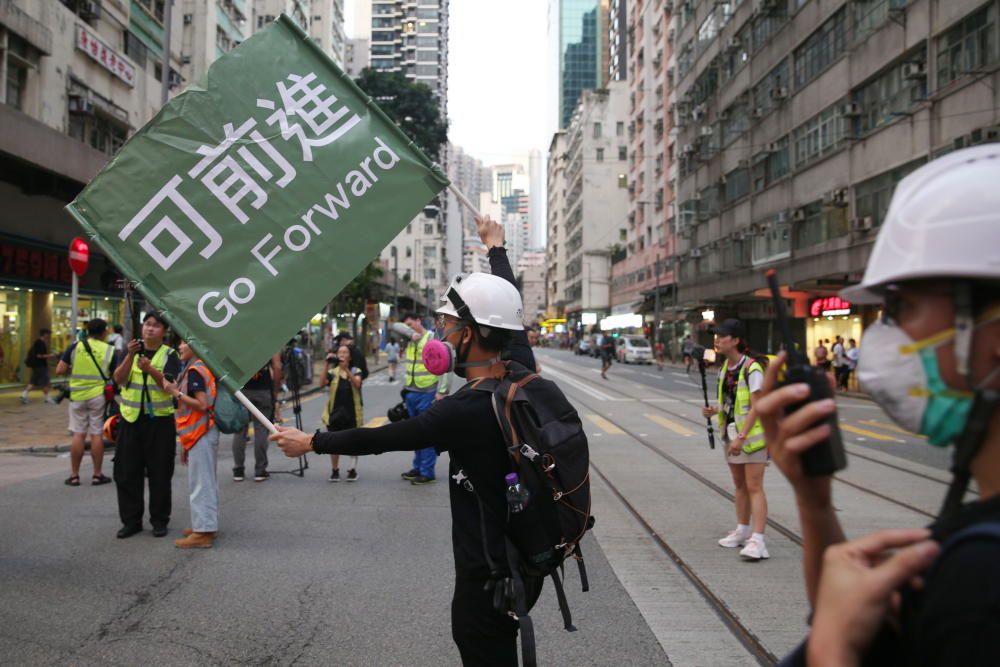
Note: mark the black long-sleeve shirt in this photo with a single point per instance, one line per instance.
(465, 426)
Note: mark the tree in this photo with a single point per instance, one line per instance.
(410, 105)
(357, 294)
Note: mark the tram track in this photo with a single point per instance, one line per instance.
(562, 368)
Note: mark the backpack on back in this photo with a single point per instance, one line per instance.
(230, 415)
(548, 450)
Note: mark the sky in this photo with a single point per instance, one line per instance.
(499, 101)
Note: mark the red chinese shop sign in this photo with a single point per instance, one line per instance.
(28, 263)
(829, 306)
(104, 55)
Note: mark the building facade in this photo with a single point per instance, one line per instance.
(555, 247)
(356, 56)
(796, 119)
(592, 198)
(326, 28)
(530, 270)
(583, 52)
(210, 29)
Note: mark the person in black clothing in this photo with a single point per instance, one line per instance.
(262, 389)
(932, 361)
(357, 356)
(483, 635)
(38, 362)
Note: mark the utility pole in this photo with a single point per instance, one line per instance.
(395, 280)
(168, 6)
(656, 307)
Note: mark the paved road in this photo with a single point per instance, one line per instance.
(304, 572)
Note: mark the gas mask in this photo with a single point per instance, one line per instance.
(441, 357)
(903, 376)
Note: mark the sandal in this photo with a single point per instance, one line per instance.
(73, 481)
(100, 479)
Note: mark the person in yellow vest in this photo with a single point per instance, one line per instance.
(422, 389)
(740, 382)
(146, 445)
(195, 394)
(89, 364)
(343, 408)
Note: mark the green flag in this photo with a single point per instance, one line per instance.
(254, 196)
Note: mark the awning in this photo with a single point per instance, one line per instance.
(626, 308)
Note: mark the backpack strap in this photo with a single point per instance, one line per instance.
(987, 531)
(519, 607)
(578, 555)
(563, 603)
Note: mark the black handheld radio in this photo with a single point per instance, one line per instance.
(826, 457)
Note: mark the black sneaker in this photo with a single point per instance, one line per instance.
(420, 480)
(334, 475)
(352, 475)
(238, 475)
(159, 531)
(262, 476)
(410, 474)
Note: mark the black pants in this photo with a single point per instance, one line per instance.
(145, 448)
(485, 637)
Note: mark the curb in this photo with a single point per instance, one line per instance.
(63, 448)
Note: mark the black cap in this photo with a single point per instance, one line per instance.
(731, 327)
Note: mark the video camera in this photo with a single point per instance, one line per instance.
(705, 356)
(62, 392)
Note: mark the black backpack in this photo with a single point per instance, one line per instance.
(548, 450)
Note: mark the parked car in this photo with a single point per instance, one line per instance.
(583, 346)
(634, 350)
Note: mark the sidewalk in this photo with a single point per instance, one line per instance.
(43, 427)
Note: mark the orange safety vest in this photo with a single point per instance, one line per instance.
(193, 423)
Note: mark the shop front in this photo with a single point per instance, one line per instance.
(35, 284)
(832, 316)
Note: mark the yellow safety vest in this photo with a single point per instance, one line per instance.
(418, 378)
(85, 381)
(157, 401)
(755, 438)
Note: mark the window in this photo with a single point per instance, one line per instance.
(970, 45)
(409, 251)
(428, 229)
(822, 224)
(600, 155)
(737, 122)
(871, 197)
(620, 129)
(427, 56)
(776, 79)
(431, 14)
(767, 24)
(737, 184)
(409, 230)
(819, 136)
(426, 70)
(20, 57)
(735, 56)
(622, 153)
(777, 161)
(821, 48)
(685, 58)
(99, 131)
(869, 15)
(427, 41)
(707, 32)
(708, 207)
(890, 94)
(597, 130)
(771, 243)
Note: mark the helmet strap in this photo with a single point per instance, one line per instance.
(461, 308)
(969, 442)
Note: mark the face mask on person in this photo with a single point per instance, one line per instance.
(441, 357)
(903, 376)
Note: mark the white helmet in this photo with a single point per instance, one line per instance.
(944, 221)
(487, 299)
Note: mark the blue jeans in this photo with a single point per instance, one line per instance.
(423, 459)
(203, 485)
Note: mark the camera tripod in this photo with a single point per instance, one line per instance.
(294, 383)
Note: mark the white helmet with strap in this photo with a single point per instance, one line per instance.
(485, 299)
(943, 222)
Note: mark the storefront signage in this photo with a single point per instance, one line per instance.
(104, 55)
(20, 262)
(829, 306)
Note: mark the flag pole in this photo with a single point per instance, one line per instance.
(464, 200)
(257, 414)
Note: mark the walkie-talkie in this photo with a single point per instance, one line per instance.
(826, 457)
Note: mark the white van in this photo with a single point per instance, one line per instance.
(634, 350)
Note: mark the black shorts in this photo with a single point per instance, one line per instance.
(39, 376)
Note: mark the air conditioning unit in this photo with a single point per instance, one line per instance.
(779, 94)
(743, 164)
(695, 253)
(185, 60)
(80, 105)
(757, 112)
(850, 110)
(914, 71)
(739, 236)
(781, 217)
(723, 115)
(90, 10)
(773, 147)
(722, 181)
(706, 130)
(798, 215)
(696, 196)
(863, 224)
(837, 198)
(687, 149)
(188, 19)
(733, 44)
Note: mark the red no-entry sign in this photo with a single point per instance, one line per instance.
(79, 256)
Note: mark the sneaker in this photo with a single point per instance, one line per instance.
(238, 475)
(734, 539)
(410, 474)
(51, 401)
(262, 476)
(754, 550)
(420, 480)
(24, 400)
(352, 475)
(334, 475)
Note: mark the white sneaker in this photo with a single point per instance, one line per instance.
(754, 550)
(734, 539)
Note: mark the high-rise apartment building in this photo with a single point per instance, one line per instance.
(618, 50)
(586, 197)
(536, 199)
(356, 56)
(583, 52)
(796, 121)
(210, 29)
(326, 28)
(411, 36)
(645, 239)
